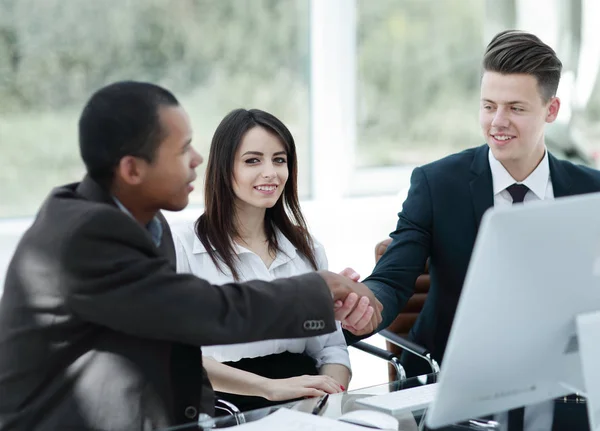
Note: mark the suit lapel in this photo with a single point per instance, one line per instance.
(561, 180)
(167, 247)
(482, 190)
(91, 190)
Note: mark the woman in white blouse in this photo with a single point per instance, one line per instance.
(252, 228)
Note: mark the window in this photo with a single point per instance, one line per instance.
(214, 55)
(418, 79)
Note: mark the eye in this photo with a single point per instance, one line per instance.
(252, 161)
(487, 107)
(517, 109)
(281, 160)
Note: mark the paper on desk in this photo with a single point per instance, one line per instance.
(291, 420)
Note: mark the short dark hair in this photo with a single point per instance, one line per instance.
(121, 119)
(514, 51)
(216, 227)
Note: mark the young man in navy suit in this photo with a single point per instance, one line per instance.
(447, 198)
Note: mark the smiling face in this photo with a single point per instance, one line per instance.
(260, 169)
(512, 117)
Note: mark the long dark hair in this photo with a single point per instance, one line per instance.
(216, 227)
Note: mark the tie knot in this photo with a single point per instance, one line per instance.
(518, 192)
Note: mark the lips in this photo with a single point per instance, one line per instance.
(266, 189)
(501, 139)
(190, 187)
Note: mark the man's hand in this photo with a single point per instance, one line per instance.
(359, 319)
(355, 305)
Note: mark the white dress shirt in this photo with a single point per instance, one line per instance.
(193, 258)
(538, 417)
(538, 182)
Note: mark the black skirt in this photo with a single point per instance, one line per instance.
(277, 366)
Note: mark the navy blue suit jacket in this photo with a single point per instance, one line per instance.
(440, 219)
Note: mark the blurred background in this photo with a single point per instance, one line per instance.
(369, 88)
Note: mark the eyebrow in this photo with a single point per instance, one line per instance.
(258, 153)
(513, 102)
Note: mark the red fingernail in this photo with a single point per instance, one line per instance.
(342, 388)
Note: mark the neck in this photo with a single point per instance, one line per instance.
(250, 224)
(521, 169)
(131, 201)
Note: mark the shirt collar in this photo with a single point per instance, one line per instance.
(285, 246)
(537, 181)
(154, 227)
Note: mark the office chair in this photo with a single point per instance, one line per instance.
(231, 409)
(395, 334)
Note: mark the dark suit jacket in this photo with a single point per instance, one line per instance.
(98, 331)
(440, 219)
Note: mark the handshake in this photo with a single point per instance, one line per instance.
(355, 306)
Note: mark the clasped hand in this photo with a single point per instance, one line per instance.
(355, 305)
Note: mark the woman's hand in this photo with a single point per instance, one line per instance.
(298, 387)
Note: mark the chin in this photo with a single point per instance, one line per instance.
(499, 151)
(176, 206)
(264, 205)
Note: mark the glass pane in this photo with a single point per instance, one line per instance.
(214, 55)
(590, 124)
(418, 79)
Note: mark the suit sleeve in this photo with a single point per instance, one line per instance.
(115, 277)
(330, 348)
(393, 278)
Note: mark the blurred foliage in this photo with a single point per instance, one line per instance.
(215, 55)
(418, 71)
(55, 52)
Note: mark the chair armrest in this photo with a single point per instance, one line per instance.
(231, 409)
(383, 354)
(411, 347)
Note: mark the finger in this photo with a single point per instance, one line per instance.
(367, 330)
(333, 385)
(351, 274)
(325, 384)
(366, 319)
(348, 305)
(377, 318)
(310, 392)
(358, 312)
(378, 305)
(337, 304)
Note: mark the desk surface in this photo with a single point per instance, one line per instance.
(339, 404)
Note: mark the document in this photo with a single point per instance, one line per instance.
(291, 420)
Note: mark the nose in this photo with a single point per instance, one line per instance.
(500, 118)
(196, 159)
(269, 172)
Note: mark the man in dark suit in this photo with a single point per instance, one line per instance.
(447, 198)
(97, 330)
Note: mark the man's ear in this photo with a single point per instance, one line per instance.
(553, 108)
(132, 170)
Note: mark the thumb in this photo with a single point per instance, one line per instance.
(351, 274)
